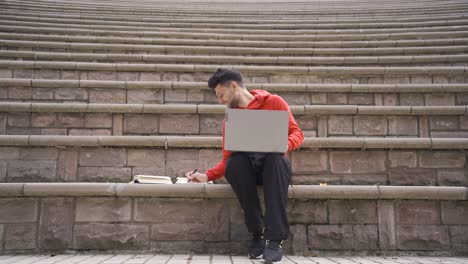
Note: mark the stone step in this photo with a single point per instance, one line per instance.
(227, 50)
(421, 60)
(252, 20)
(187, 119)
(200, 72)
(335, 36)
(261, 9)
(239, 30)
(385, 161)
(233, 25)
(163, 92)
(206, 218)
(343, 192)
(238, 43)
(350, 17)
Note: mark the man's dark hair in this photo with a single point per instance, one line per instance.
(223, 76)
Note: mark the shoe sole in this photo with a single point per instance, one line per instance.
(257, 257)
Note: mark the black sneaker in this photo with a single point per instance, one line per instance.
(273, 251)
(256, 247)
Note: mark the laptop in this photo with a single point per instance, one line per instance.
(256, 130)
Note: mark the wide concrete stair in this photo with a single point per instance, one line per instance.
(95, 92)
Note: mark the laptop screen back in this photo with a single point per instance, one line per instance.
(256, 130)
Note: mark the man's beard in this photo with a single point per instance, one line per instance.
(233, 104)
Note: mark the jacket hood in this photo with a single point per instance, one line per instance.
(260, 97)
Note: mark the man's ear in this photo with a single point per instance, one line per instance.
(235, 85)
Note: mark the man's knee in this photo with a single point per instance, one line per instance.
(277, 162)
(237, 159)
(236, 162)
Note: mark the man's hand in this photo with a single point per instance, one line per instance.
(196, 177)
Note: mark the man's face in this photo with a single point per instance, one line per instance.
(227, 94)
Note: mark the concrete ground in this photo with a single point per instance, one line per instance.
(217, 259)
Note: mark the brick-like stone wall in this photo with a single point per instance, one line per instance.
(215, 225)
(152, 95)
(309, 166)
(313, 125)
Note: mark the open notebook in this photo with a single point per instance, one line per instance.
(158, 179)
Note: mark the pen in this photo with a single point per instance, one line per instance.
(193, 172)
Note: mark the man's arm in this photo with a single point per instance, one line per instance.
(218, 171)
(295, 135)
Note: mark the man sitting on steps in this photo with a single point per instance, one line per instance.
(245, 170)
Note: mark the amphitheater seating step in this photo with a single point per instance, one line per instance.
(94, 92)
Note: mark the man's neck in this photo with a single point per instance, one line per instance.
(245, 98)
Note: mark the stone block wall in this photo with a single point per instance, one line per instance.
(204, 225)
(321, 125)
(309, 166)
(116, 92)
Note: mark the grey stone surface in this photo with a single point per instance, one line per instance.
(178, 231)
(308, 212)
(452, 177)
(18, 210)
(168, 210)
(370, 125)
(403, 159)
(146, 157)
(365, 237)
(387, 225)
(145, 96)
(418, 213)
(298, 239)
(9, 153)
(56, 223)
(3, 170)
(71, 94)
(19, 120)
(423, 237)
(102, 157)
(412, 176)
(67, 165)
(104, 174)
(2, 231)
(309, 161)
(403, 125)
(20, 236)
(98, 120)
(38, 154)
(329, 237)
(70, 120)
(454, 212)
(352, 212)
(106, 96)
(216, 217)
(141, 124)
(459, 238)
(211, 124)
(340, 125)
(178, 247)
(103, 209)
(179, 124)
(111, 236)
(356, 162)
(442, 159)
(186, 257)
(43, 119)
(178, 161)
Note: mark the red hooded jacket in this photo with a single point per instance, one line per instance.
(265, 101)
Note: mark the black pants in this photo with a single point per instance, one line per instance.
(246, 170)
